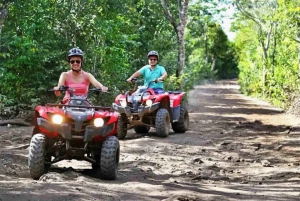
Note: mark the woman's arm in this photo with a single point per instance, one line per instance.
(95, 82)
(61, 82)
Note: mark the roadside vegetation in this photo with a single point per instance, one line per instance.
(116, 36)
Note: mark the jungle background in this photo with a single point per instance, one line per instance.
(117, 35)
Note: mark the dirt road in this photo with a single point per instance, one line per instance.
(237, 148)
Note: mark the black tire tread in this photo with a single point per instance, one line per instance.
(162, 130)
(120, 125)
(109, 158)
(180, 126)
(36, 159)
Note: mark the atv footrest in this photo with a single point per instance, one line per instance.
(79, 152)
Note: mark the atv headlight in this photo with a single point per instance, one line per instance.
(57, 119)
(98, 122)
(123, 103)
(149, 102)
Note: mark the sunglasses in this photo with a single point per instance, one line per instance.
(153, 59)
(73, 61)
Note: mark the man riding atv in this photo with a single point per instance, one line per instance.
(149, 105)
(150, 72)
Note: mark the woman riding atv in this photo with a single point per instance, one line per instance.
(76, 78)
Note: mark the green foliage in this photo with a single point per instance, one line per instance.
(268, 58)
(4, 101)
(115, 37)
(205, 41)
(37, 36)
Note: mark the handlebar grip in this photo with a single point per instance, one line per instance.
(98, 90)
(63, 88)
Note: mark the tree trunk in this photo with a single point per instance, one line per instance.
(298, 39)
(3, 13)
(179, 29)
(15, 122)
(214, 61)
(181, 51)
(299, 61)
(265, 64)
(206, 45)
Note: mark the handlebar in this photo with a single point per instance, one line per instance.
(99, 90)
(140, 82)
(136, 81)
(63, 88)
(71, 90)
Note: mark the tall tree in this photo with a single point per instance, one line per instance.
(179, 27)
(262, 14)
(3, 13)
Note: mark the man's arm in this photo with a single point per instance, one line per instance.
(163, 76)
(134, 75)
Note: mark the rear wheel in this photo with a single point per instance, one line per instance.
(110, 155)
(162, 122)
(182, 125)
(37, 156)
(122, 126)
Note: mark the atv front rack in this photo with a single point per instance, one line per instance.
(78, 106)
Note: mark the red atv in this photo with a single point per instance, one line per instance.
(75, 130)
(141, 109)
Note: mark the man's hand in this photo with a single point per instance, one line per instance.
(160, 79)
(129, 80)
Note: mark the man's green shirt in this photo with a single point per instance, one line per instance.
(150, 75)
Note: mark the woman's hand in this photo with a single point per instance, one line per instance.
(104, 88)
(56, 91)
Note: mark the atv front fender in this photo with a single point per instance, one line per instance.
(47, 125)
(64, 130)
(120, 109)
(142, 110)
(93, 131)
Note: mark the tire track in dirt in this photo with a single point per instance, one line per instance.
(237, 148)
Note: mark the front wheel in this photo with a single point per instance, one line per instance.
(109, 162)
(37, 156)
(122, 126)
(162, 122)
(182, 125)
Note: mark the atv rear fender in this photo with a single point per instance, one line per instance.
(120, 96)
(176, 99)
